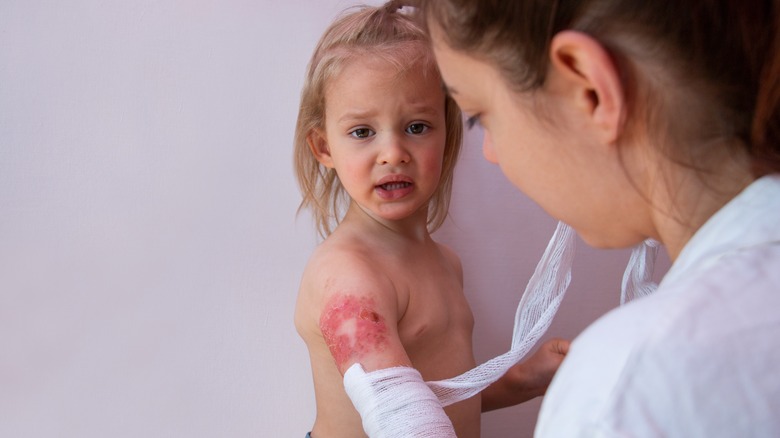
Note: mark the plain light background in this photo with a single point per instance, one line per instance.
(149, 248)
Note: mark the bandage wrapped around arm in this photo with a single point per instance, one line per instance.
(396, 403)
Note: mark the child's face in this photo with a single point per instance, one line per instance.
(384, 136)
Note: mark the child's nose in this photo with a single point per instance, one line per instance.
(393, 152)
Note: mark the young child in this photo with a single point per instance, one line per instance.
(375, 148)
(375, 126)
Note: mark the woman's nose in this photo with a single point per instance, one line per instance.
(487, 148)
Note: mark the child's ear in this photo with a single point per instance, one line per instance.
(319, 147)
(585, 68)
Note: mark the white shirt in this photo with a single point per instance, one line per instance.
(698, 358)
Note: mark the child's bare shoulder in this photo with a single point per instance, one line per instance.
(345, 261)
(349, 303)
(346, 267)
(452, 258)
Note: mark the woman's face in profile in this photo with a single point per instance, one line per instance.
(527, 150)
(544, 145)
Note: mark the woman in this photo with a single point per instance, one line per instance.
(634, 120)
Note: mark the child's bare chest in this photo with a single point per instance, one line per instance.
(437, 324)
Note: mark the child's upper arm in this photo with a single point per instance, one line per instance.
(358, 313)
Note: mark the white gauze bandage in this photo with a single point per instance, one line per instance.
(538, 305)
(396, 403)
(636, 279)
(540, 301)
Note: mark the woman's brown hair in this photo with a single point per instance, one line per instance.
(705, 71)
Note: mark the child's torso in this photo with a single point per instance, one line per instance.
(436, 330)
(435, 327)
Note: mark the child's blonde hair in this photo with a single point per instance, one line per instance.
(385, 33)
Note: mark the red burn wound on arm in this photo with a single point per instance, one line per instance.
(352, 329)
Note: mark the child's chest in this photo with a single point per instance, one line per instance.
(437, 323)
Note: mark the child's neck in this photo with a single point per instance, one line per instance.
(413, 228)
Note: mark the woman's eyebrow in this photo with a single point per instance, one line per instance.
(448, 89)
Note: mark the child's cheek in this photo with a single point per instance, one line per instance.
(352, 329)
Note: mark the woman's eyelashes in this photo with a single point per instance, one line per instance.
(473, 121)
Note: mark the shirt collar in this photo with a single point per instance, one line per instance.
(750, 219)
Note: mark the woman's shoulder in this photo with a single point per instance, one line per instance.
(711, 337)
(728, 293)
(715, 315)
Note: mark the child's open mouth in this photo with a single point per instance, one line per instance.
(395, 185)
(394, 189)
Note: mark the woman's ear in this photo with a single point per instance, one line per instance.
(591, 76)
(319, 147)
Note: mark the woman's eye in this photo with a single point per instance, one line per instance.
(416, 128)
(361, 133)
(472, 121)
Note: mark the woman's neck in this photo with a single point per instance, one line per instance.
(689, 197)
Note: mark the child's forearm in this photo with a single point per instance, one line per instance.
(528, 379)
(511, 389)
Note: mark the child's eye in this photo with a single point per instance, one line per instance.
(473, 121)
(416, 128)
(362, 133)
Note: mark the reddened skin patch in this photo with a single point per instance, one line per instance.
(352, 329)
